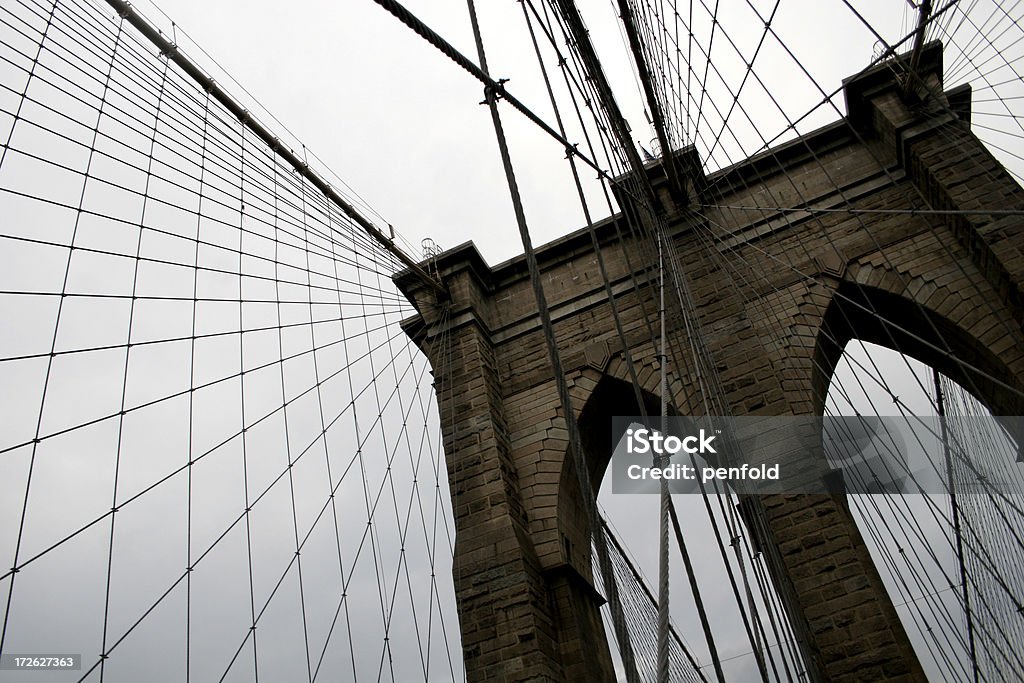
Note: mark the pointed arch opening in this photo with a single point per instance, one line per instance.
(949, 559)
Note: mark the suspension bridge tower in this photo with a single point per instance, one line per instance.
(884, 218)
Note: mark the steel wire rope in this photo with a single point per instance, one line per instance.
(196, 274)
(594, 241)
(49, 161)
(16, 566)
(352, 193)
(284, 415)
(191, 413)
(371, 509)
(549, 35)
(343, 603)
(254, 501)
(575, 447)
(202, 456)
(737, 599)
(980, 36)
(963, 409)
(447, 392)
(643, 597)
(641, 580)
(264, 135)
(403, 530)
(815, 156)
(368, 529)
(124, 388)
(955, 513)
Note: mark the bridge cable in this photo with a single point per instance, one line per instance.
(575, 443)
(151, 112)
(664, 497)
(615, 315)
(663, 612)
(583, 41)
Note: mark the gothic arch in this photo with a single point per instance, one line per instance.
(963, 332)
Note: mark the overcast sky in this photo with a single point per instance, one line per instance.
(400, 123)
(402, 127)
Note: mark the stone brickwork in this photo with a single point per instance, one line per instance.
(778, 295)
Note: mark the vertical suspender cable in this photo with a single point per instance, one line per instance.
(653, 104)
(575, 443)
(166, 47)
(940, 405)
(666, 501)
(698, 601)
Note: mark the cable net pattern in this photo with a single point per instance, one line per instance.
(640, 608)
(219, 457)
(990, 586)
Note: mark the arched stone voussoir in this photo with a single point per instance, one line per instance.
(966, 334)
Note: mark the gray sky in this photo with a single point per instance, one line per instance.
(401, 125)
